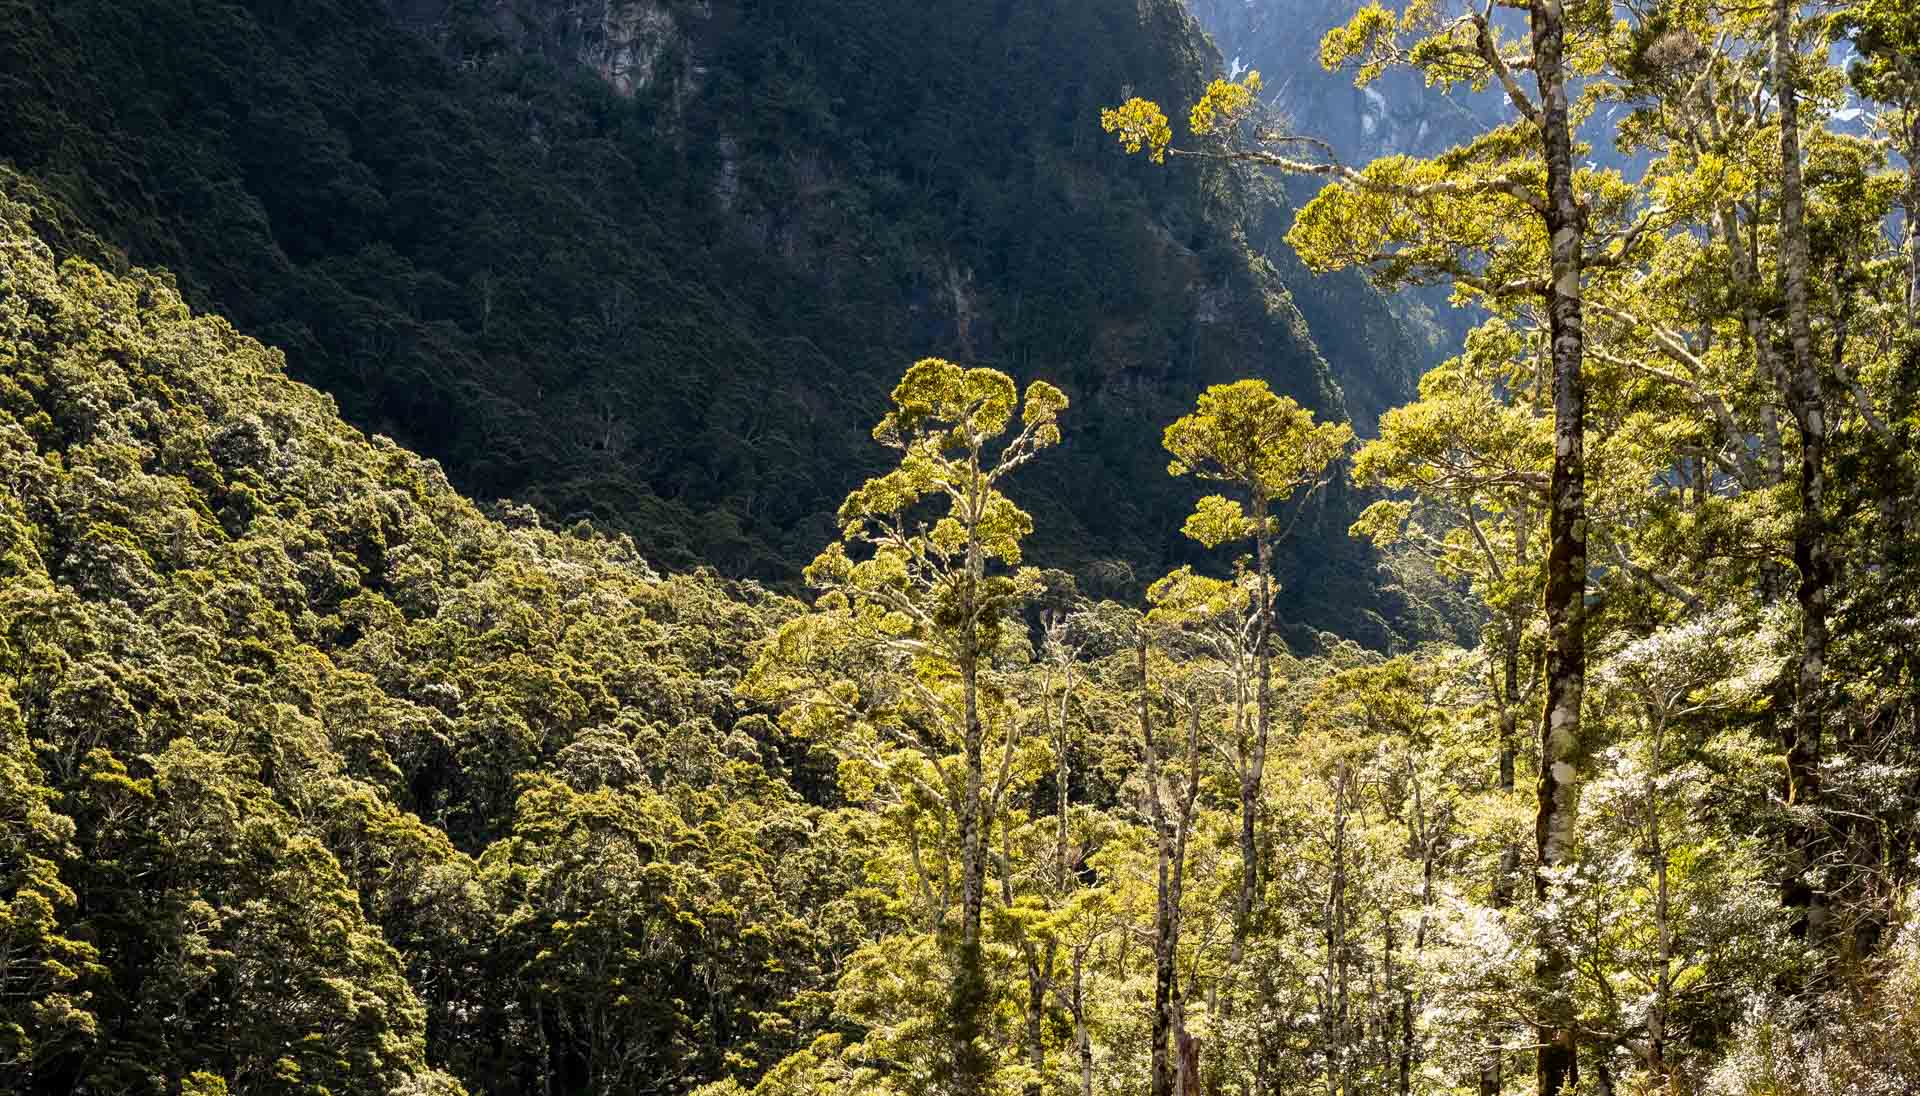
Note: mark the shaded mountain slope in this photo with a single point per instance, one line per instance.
(648, 263)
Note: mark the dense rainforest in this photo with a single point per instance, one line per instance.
(968, 597)
(646, 262)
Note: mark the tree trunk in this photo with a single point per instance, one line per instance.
(1255, 768)
(1811, 555)
(1560, 734)
(1036, 1014)
(1189, 1073)
(1082, 1038)
(1339, 1048)
(1164, 916)
(1407, 1047)
(971, 1063)
(1061, 775)
(1039, 975)
(1605, 1087)
(1657, 848)
(1509, 726)
(1187, 1048)
(1403, 1053)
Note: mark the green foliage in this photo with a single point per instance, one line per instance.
(1226, 104)
(659, 313)
(1265, 445)
(1664, 926)
(1245, 435)
(900, 672)
(1139, 124)
(314, 778)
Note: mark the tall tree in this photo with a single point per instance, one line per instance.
(1560, 733)
(1444, 220)
(1264, 447)
(933, 604)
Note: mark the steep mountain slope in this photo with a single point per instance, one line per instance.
(315, 779)
(648, 261)
(1392, 115)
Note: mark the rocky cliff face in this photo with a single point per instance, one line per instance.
(634, 45)
(1394, 115)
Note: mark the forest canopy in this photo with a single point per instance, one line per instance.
(318, 778)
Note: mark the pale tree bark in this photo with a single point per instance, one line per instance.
(1812, 556)
(1561, 746)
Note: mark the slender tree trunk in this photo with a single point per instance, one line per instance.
(1811, 554)
(1561, 748)
(1082, 1037)
(1339, 1048)
(971, 1063)
(546, 1050)
(1165, 926)
(1040, 970)
(1060, 834)
(1255, 768)
(1401, 1041)
(1039, 975)
(1186, 1047)
(1663, 983)
(1509, 726)
(1407, 1046)
(1036, 1014)
(972, 824)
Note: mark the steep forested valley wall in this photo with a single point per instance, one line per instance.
(639, 261)
(959, 548)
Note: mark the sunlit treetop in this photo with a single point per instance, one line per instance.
(1265, 444)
